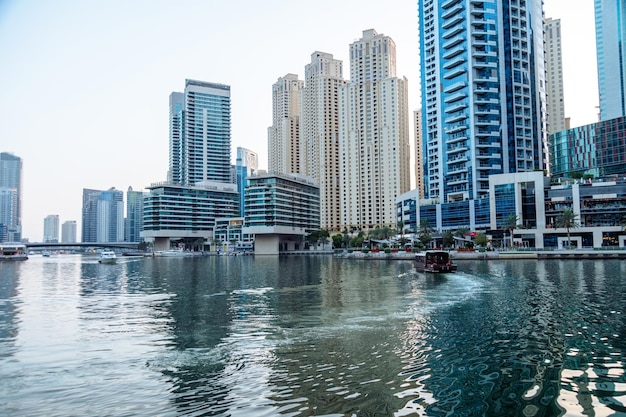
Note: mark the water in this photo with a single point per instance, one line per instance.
(303, 336)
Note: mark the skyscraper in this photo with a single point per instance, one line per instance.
(246, 165)
(554, 70)
(374, 135)
(51, 228)
(483, 93)
(103, 216)
(284, 134)
(176, 173)
(134, 215)
(200, 134)
(611, 58)
(319, 133)
(419, 162)
(10, 197)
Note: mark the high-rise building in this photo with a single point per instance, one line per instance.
(103, 216)
(68, 231)
(134, 215)
(611, 57)
(483, 94)
(419, 162)
(247, 164)
(11, 198)
(284, 134)
(176, 173)
(374, 135)
(554, 70)
(200, 134)
(51, 228)
(319, 131)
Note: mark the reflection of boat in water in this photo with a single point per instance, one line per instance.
(435, 261)
(107, 257)
(173, 253)
(13, 252)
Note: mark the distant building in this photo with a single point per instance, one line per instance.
(280, 211)
(176, 172)
(186, 213)
(319, 131)
(68, 231)
(597, 149)
(611, 57)
(247, 164)
(284, 134)
(103, 216)
(419, 160)
(554, 79)
(10, 198)
(134, 215)
(51, 228)
(374, 135)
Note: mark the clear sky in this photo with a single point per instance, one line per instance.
(84, 84)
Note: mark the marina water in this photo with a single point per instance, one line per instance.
(311, 335)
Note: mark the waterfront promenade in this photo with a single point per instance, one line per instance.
(499, 254)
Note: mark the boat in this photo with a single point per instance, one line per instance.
(435, 261)
(173, 253)
(13, 252)
(107, 257)
(45, 254)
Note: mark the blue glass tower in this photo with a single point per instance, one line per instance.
(610, 44)
(483, 94)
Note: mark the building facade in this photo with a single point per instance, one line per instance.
(51, 228)
(200, 133)
(10, 198)
(134, 215)
(596, 149)
(611, 57)
(419, 160)
(319, 131)
(554, 79)
(176, 172)
(483, 94)
(284, 134)
(68, 231)
(103, 216)
(177, 212)
(374, 135)
(280, 211)
(246, 165)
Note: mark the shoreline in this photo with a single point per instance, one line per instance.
(496, 255)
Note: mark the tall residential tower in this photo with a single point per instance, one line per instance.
(554, 69)
(319, 133)
(10, 197)
(610, 50)
(284, 134)
(374, 135)
(483, 93)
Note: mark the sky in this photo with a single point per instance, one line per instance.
(84, 84)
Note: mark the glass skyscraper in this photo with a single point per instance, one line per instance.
(200, 134)
(610, 43)
(103, 216)
(483, 94)
(10, 197)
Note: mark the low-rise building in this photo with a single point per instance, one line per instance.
(281, 210)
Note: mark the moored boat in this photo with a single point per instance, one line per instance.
(107, 257)
(13, 252)
(435, 261)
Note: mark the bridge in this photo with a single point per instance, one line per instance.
(120, 245)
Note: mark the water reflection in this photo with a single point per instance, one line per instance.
(305, 336)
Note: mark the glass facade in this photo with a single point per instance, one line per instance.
(598, 149)
(505, 203)
(476, 58)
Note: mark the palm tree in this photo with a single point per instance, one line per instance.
(461, 232)
(400, 225)
(425, 233)
(511, 224)
(569, 220)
